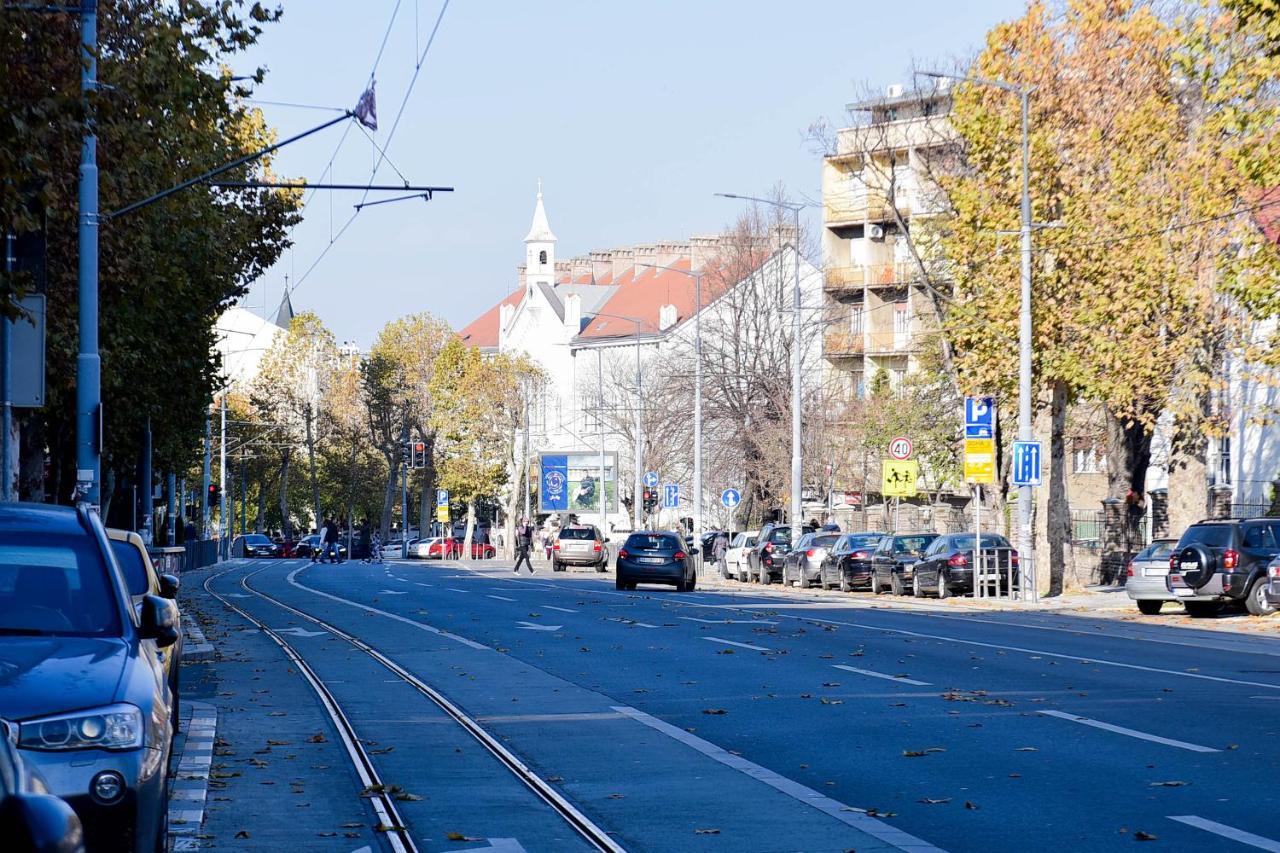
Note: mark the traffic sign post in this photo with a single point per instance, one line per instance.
(901, 448)
(442, 508)
(651, 479)
(671, 496)
(898, 478)
(1027, 463)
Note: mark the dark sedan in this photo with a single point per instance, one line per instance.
(30, 817)
(656, 557)
(309, 546)
(254, 545)
(894, 558)
(764, 561)
(82, 681)
(948, 565)
(848, 563)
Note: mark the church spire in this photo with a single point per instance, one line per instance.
(540, 230)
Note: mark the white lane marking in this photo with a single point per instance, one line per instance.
(455, 589)
(899, 678)
(730, 621)
(300, 632)
(392, 592)
(502, 845)
(1228, 832)
(834, 808)
(419, 583)
(500, 597)
(561, 609)
(739, 645)
(291, 578)
(1121, 730)
(1081, 658)
(530, 626)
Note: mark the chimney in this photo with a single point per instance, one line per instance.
(672, 251)
(573, 313)
(701, 251)
(894, 90)
(601, 266)
(520, 274)
(580, 268)
(667, 317)
(622, 261)
(562, 272)
(646, 253)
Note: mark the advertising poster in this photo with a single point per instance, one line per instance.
(570, 482)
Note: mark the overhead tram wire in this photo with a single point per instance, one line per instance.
(435, 29)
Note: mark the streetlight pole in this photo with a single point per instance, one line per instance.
(600, 430)
(1026, 542)
(88, 364)
(697, 393)
(797, 511)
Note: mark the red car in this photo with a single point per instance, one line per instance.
(451, 549)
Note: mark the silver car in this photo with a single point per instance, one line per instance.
(580, 545)
(1146, 576)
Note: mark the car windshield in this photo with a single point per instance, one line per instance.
(781, 536)
(256, 539)
(825, 541)
(913, 544)
(1212, 535)
(55, 584)
(861, 543)
(652, 542)
(965, 543)
(577, 533)
(1158, 550)
(130, 561)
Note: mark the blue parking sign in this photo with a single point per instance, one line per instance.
(979, 417)
(1026, 463)
(671, 496)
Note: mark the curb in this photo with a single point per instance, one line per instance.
(197, 648)
(190, 784)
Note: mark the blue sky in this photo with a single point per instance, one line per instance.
(632, 114)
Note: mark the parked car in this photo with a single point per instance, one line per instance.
(1220, 561)
(894, 559)
(309, 546)
(736, 557)
(254, 545)
(1146, 576)
(804, 564)
(656, 556)
(1273, 582)
(580, 545)
(764, 561)
(87, 691)
(142, 579)
(947, 568)
(431, 548)
(30, 817)
(848, 563)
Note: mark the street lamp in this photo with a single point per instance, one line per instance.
(1026, 543)
(636, 503)
(697, 393)
(796, 510)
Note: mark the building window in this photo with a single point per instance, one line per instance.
(855, 320)
(901, 318)
(1222, 472)
(1087, 460)
(542, 257)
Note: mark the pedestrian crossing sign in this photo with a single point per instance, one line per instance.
(898, 478)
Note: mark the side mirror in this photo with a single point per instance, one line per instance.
(159, 621)
(41, 823)
(169, 586)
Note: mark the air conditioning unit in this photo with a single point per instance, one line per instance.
(875, 232)
(894, 90)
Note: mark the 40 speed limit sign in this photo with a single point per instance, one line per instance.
(901, 448)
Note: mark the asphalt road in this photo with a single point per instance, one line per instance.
(750, 720)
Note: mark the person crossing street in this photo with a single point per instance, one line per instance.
(524, 541)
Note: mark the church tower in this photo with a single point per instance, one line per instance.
(540, 250)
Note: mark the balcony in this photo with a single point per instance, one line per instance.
(887, 343)
(843, 279)
(852, 206)
(842, 344)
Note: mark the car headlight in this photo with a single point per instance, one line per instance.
(112, 727)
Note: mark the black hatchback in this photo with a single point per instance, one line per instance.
(81, 681)
(656, 557)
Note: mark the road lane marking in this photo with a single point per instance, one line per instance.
(530, 626)
(300, 632)
(1228, 832)
(730, 621)
(1121, 730)
(834, 808)
(899, 678)
(739, 645)
(561, 609)
(419, 583)
(392, 592)
(500, 597)
(455, 589)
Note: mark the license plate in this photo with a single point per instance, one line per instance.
(1154, 573)
(651, 561)
(1190, 565)
(1183, 591)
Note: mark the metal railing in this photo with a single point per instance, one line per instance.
(1086, 528)
(1255, 510)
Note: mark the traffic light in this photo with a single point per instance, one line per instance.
(650, 500)
(419, 456)
(214, 494)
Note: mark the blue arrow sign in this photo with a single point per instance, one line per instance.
(651, 479)
(730, 498)
(1026, 463)
(671, 496)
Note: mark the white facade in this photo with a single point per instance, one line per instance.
(243, 339)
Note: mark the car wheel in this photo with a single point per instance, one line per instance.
(1255, 601)
(917, 591)
(845, 586)
(895, 584)
(682, 585)
(943, 592)
(1149, 606)
(1203, 609)
(693, 584)
(803, 582)
(619, 583)
(557, 566)
(764, 576)
(873, 584)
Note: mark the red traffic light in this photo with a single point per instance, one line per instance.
(419, 447)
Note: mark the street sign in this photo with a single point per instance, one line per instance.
(1026, 463)
(898, 478)
(651, 478)
(979, 417)
(730, 498)
(442, 497)
(979, 460)
(27, 341)
(901, 448)
(442, 514)
(671, 496)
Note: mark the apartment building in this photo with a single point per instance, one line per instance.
(877, 198)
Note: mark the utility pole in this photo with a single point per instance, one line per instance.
(1026, 541)
(524, 475)
(144, 483)
(404, 495)
(170, 521)
(600, 431)
(6, 386)
(223, 545)
(88, 364)
(311, 456)
(205, 478)
(637, 504)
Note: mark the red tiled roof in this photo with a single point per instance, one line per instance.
(642, 292)
(483, 331)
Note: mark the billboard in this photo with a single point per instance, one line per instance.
(570, 482)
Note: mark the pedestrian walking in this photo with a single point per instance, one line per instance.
(718, 550)
(375, 548)
(524, 541)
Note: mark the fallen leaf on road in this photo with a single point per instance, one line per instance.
(706, 832)
(714, 711)
(931, 802)
(406, 797)
(278, 743)
(555, 778)
(1143, 836)
(244, 833)
(382, 751)
(277, 714)
(1174, 783)
(971, 806)
(1027, 749)
(327, 834)
(352, 825)
(318, 737)
(914, 753)
(825, 701)
(725, 652)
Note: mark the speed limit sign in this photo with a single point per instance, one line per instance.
(901, 448)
